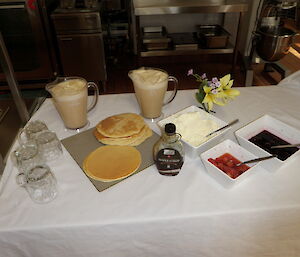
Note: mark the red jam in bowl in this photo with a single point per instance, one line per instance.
(227, 163)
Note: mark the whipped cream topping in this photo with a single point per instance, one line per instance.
(149, 77)
(193, 127)
(69, 87)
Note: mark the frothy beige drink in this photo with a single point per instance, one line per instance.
(70, 99)
(150, 86)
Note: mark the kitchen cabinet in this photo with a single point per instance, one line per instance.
(173, 7)
(80, 43)
(81, 55)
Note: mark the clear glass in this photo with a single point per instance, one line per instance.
(31, 130)
(40, 184)
(49, 146)
(27, 156)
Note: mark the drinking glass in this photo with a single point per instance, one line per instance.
(49, 145)
(31, 130)
(40, 183)
(27, 156)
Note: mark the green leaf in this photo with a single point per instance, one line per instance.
(204, 83)
(200, 95)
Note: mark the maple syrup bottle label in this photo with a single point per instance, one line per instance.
(169, 161)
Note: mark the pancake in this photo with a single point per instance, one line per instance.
(121, 125)
(147, 132)
(111, 163)
(133, 140)
(117, 140)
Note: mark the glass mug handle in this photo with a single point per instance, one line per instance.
(22, 137)
(172, 79)
(96, 93)
(15, 155)
(21, 179)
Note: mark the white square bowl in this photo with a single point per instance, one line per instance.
(227, 146)
(194, 151)
(274, 126)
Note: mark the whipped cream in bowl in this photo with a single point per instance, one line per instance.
(194, 124)
(194, 127)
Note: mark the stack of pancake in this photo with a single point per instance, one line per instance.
(123, 129)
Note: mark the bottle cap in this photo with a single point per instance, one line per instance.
(170, 128)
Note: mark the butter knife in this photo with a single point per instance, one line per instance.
(284, 146)
(257, 160)
(228, 125)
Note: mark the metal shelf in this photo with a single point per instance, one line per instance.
(173, 52)
(171, 7)
(159, 7)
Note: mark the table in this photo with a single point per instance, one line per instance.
(153, 215)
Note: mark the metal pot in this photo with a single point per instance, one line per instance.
(274, 43)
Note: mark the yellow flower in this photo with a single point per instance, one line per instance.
(212, 96)
(227, 91)
(214, 91)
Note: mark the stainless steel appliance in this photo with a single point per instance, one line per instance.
(271, 41)
(28, 39)
(274, 44)
(80, 43)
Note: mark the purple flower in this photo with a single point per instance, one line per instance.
(190, 72)
(203, 76)
(218, 84)
(215, 80)
(214, 91)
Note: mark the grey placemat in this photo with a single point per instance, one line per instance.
(80, 145)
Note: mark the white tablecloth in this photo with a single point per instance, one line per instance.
(153, 215)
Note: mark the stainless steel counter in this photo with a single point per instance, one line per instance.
(156, 7)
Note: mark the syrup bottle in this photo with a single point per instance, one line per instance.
(168, 152)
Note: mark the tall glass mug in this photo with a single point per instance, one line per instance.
(150, 86)
(27, 156)
(32, 130)
(70, 96)
(39, 182)
(49, 146)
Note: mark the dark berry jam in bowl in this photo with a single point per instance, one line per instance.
(260, 135)
(266, 140)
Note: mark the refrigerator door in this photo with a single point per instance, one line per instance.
(25, 37)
